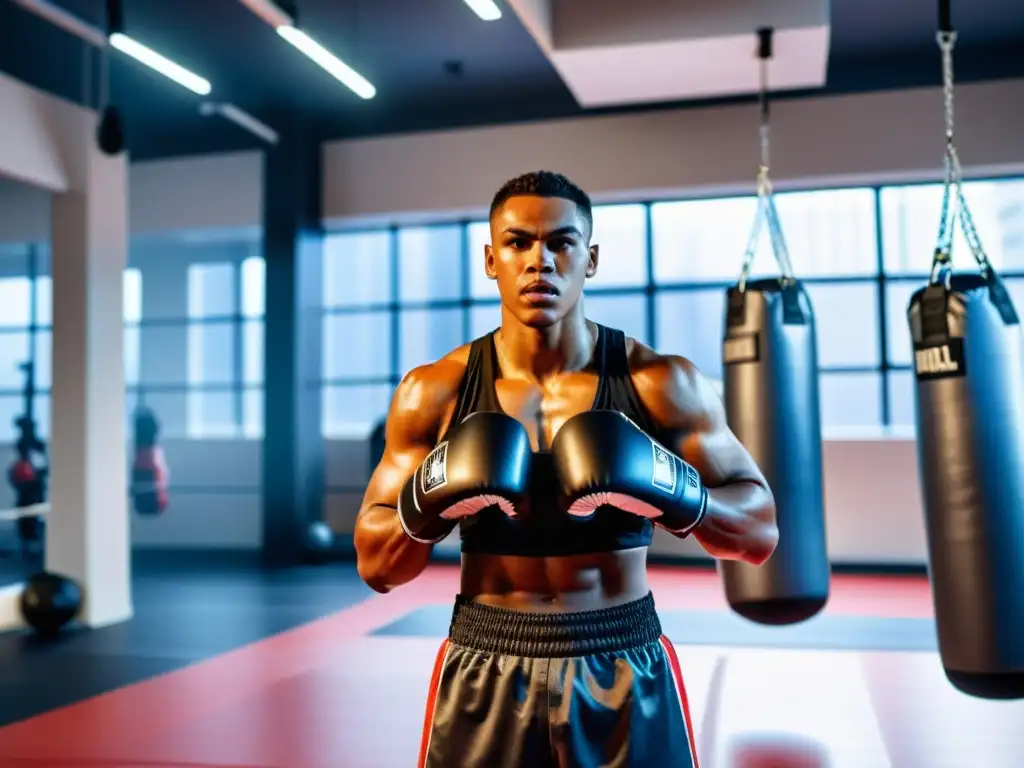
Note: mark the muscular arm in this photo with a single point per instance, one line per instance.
(385, 556)
(740, 520)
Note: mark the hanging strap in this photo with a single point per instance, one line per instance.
(954, 205)
(766, 214)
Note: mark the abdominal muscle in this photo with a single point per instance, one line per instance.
(562, 584)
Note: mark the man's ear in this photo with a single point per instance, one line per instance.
(489, 262)
(592, 266)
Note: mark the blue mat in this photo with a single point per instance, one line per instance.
(839, 633)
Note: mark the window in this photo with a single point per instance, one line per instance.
(828, 233)
(357, 269)
(357, 346)
(211, 291)
(253, 310)
(620, 231)
(15, 302)
(693, 250)
(352, 411)
(426, 335)
(430, 263)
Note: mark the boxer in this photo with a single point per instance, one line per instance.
(555, 445)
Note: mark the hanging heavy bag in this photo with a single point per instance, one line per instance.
(149, 475)
(771, 401)
(968, 358)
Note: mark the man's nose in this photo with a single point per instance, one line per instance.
(540, 259)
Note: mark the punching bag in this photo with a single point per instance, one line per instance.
(149, 475)
(968, 361)
(771, 400)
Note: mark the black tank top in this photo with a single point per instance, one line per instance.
(543, 531)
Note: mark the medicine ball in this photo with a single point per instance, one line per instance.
(49, 601)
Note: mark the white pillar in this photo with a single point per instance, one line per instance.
(87, 535)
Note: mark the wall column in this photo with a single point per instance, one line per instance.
(293, 445)
(87, 535)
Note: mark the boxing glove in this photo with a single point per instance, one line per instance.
(603, 458)
(484, 461)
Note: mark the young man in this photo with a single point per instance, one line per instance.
(555, 444)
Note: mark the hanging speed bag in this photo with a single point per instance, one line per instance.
(968, 357)
(771, 400)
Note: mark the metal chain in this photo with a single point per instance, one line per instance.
(766, 212)
(954, 203)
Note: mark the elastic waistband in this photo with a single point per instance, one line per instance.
(489, 629)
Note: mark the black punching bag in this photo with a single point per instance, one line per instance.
(968, 361)
(771, 399)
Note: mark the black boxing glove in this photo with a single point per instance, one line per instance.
(602, 457)
(484, 461)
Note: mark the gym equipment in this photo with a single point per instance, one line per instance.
(49, 602)
(968, 364)
(319, 542)
(29, 472)
(149, 475)
(772, 405)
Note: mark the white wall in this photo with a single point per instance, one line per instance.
(873, 505)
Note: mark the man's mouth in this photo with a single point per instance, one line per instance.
(539, 290)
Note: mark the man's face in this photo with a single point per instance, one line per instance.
(540, 255)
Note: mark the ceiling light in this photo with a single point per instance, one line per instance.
(161, 64)
(335, 66)
(487, 10)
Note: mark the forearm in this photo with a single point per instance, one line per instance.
(386, 557)
(739, 523)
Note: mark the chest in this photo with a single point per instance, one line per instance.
(543, 409)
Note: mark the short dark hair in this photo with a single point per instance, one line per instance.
(544, 184)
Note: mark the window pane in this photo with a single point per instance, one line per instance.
(172, 410)
(627, 313)
(15, 301)
(132, 350)
(481, 286)
(897, 334)
(702, 239)
(910, 225)
(847, 323)
(10, 409)
(211, 414)
(357, 268)
(691, 324)
(14, 351)
(427, 335)
(252, 414)
(353, 411)
(254, 281)
(430, 263)
(44, 300)
(211, 353)
(41, 406)
(484, 318)
(850, 401)
(43, 359)
(211, 290)
(252, 352)
(165, 352)
(621, 233)
(901, 400)
(357, 345)
(132, 295)
(828, 232)
(131, 399)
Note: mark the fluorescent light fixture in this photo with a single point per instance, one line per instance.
(241, 118)
(331, 63)
(487, 10)
(66, 21)
(270, 13)
(161, 64)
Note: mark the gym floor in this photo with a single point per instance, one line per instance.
(228, 665)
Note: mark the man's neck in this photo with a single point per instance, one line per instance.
(539, 353)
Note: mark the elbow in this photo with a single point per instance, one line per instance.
(371, 576)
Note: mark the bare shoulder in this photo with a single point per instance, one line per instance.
(425, 398)
(677, 395)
